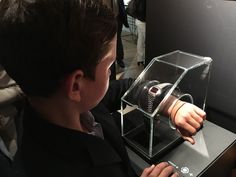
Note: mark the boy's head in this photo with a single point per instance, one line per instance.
(43, 41)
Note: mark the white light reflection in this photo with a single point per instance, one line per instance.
(200, 145)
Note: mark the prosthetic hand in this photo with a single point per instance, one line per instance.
(187, 119)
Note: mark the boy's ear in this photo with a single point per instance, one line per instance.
(72, 84)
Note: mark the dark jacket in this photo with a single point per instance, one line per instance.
(118, 11)
(122, 13)
(49, 150)
(137, 9)
(141, 10)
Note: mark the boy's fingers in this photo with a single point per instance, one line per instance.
(167, 171)
(158, 168)
(147, 171)
(175, 175)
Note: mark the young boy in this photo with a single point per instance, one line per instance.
(60, 52)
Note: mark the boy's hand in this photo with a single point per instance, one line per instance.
(160, 170)
(188, 119)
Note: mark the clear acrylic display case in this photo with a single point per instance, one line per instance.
(143, 126)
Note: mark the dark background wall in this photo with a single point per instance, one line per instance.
(202, 27)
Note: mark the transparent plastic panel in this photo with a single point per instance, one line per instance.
(182, 75)
(155, 73)
(182, 71)
(182, 59)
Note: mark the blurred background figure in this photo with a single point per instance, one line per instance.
(10, 94)
(121, 20)
(140, 22)
(118, 9)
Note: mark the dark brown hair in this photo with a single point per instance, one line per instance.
(41, 41)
